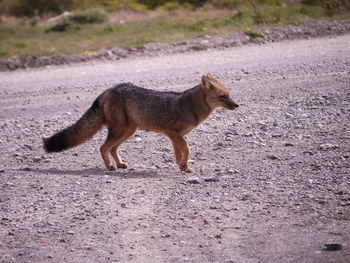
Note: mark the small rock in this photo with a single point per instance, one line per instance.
(333, 246)
(219, 144)
(70, 232)
(288, 144)
(211, 179)
(138, 139)
(277, 135)
(36, 159)
(193, 180)
(218, 235)
(29, 147)
(272, 157)
(308, 153)
(289, 115)
(328, 146)
(27, 169)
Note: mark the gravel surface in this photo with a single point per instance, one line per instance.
(272, 180)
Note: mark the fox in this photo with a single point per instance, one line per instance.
(125, 108)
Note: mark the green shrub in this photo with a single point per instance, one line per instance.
(91, 16)
(152, 4)
(264, 18)
(3, 54)
(331, 7)
(224, 3)
(253, 34)
(63, 27)
(239, 16)
(111, 29)
(170, 6)
(312, 2)
(133, 5)
(200, 25)
(43, 7)
(38, 7)
(20, 44)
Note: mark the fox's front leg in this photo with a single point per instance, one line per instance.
(178, 153)
(184, 159)
(181, 150)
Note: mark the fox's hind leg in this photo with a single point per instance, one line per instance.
(114, 149)
(114, 136)
(111, 138)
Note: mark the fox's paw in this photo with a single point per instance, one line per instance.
(111, 167)
(122, 165)
(185, 168)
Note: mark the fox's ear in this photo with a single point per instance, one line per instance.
(210, 76)
(205, 82)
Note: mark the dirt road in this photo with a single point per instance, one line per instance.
(272, 180)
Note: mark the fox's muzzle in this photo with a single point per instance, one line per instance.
(231, 105)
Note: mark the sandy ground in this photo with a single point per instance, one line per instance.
(272, 181)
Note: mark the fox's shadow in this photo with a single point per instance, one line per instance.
(123, 174)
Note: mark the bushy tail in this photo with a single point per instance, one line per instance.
(86, 127)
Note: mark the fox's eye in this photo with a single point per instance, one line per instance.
(223, 97)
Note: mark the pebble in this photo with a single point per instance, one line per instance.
(333, 246)
(27, 169)
(211, 179)
(308, 153)
(289, 115)
(138, 139)
(218, 235)
(219, 144)
(194, 180)
(328, 146)
(277, 135)
(37, 159)
(272, 157)
(232, 171)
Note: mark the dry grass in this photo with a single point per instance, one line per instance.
(21, 37)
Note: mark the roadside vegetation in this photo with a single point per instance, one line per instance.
(42, 28)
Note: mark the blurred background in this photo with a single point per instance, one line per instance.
(55, 27)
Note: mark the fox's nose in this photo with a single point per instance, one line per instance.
(236, 105)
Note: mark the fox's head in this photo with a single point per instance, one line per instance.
(216, 94)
